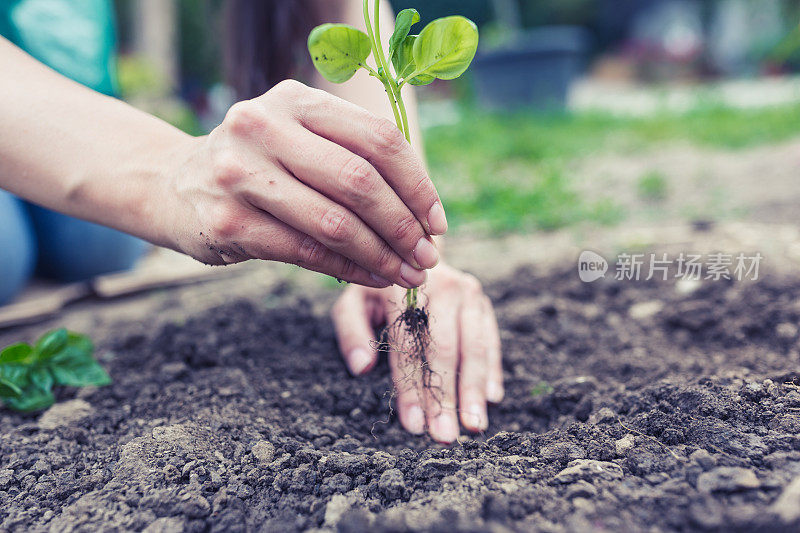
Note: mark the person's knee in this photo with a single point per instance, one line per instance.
(17, 247)
(74, 250)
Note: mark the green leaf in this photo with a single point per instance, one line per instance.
(80, 373)
(32, 399)
(78, 347)
(51, 343)
(446, 47)
(27, 374)
(75, 366)
(402, 26)
(9, 389)
(16, 374)
(16, 353)
(338, 51)
(41, 378)
(404, 65)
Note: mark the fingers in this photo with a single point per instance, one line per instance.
(353, 182)
(333, 226)
(461, 367)
(473, 370)
(406, 375)
(440, 400)
(494, 364)
(380, 142)
(265, 237)
(352, 320)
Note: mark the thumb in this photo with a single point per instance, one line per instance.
(352, 319)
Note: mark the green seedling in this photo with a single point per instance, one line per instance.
(541, 388)
(28, 373)
(443, 50)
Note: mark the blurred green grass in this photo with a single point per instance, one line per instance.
(511, 172)
(652, 186)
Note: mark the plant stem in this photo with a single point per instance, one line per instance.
(379, 60)
(398, 119)
(402, 106)
(395, 98)
(371, 70)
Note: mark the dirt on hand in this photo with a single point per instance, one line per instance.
(630, 406)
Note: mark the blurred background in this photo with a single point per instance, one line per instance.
(576, 113)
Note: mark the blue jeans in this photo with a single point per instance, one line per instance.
(37, 240)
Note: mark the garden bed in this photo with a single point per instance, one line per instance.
(630, 406)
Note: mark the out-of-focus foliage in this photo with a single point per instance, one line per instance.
(533, 12)
(201, 52)
(199, 37)
(479, 11)
(787, 53)
(60, 357)
(142, 85)
(652, 186)
(503, 172)
(541, 12)
(138, 78)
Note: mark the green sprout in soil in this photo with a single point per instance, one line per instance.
(28, 373)
(541, 388)
(443, 50)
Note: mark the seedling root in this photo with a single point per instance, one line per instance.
(409, 337)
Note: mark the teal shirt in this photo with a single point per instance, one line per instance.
(74, 37)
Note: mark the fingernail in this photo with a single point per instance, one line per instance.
(477, 417)
(415, 420)
(360, 361)
(379, 280)
(437, 221)
(444, 429)
(426, 253)
(411, 275)
(494, 392)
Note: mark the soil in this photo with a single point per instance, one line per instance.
(640, 406)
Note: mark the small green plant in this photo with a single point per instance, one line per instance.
(28, 373)
(653, 186)
(541, 389)
(443, 50)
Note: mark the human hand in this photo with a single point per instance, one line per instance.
(465, 351)
(300, 176)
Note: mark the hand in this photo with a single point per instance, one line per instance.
(465, 351)
(300, 176)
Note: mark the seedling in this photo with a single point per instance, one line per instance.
(443, 50)
(541, 389)
(60, 357)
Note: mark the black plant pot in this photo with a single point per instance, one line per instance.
(534, 71)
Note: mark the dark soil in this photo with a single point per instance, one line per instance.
(629, 407)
